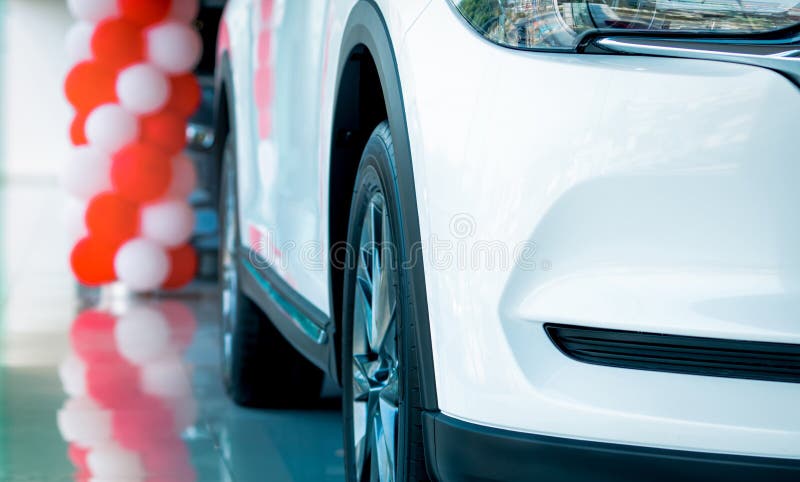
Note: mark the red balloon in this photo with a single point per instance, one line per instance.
(112, 219)
(184, 267)
(92, 262)
(169, 458)
(112, 385)
(145, 13)
(141, 172)
(166, 131)
(83, 476)
(90, 84)
(118, 43)
(77, 132)
(141, 423)
(92, 337)
(78, 455)
(186, 95)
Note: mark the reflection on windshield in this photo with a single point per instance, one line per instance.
(130, 395)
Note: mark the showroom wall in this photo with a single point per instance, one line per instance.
(33, 106)
(33, 146)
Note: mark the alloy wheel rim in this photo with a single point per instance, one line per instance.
(375, 361)
(230, 278)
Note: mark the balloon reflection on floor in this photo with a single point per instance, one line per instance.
(130, 395)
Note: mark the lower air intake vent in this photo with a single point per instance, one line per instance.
(679, 354)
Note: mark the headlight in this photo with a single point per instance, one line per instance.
(560, 24)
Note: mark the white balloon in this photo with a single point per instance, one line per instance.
(79, 42)
(113, 462)
(184, 177)
(84, 422)
(142, 89)
(174, 47)
(142, 265)
(110, 127)
(93, 10)
(88, 173)
(72, 372)
(142, 335)
(169, 222)
(184, 10)
(166, 377)
(75, 219)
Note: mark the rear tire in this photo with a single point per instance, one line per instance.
(259, 367)
(382, 404)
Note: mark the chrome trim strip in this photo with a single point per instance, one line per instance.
(786, 62)
(305, 324)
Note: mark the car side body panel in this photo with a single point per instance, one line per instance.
(284, 57)
(621, 192)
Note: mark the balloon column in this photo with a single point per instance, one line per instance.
(133, 91)
(129, 394)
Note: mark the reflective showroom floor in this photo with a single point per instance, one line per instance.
(59, 357)
(59, 345)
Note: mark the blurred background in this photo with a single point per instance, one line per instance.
(57, 340)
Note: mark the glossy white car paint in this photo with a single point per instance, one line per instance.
(659, 195)
(284, 192)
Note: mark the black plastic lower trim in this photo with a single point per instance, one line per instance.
(755, 360)
(286, 312)
(457, 450)
(366, 28)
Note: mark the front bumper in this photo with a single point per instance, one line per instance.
(457, 450)
(658, 195)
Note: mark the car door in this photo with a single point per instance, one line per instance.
(280, 188)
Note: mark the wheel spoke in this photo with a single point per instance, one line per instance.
(374, 472)
(373, 328)
(365, 270)
(376, 219)
(375, 361)
(384, 452)
(361, 382)
(384, 299)
(387, 404)
(383, 312)
(375, 216)
(361, 436)
(362, 313)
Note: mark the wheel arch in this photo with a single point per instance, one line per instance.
(368, 91)
(223, 118)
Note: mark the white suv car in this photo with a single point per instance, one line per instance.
(532, 240)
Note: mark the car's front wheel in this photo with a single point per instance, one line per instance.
(383, 436)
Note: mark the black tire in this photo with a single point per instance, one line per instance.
(377, 174)
(259, 367)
